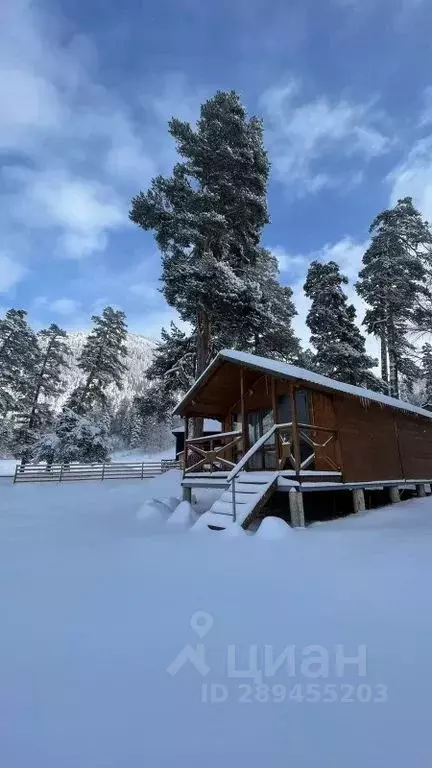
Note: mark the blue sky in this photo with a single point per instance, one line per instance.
(86, 89)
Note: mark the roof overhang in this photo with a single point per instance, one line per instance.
(287, 371)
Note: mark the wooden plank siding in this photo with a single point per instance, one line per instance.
(322, 413)
(368, 441)
(415, 441)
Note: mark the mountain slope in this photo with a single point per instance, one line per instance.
(140, 355)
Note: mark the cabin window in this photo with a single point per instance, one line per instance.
(303, 417)
(259, 422)
(302, 407)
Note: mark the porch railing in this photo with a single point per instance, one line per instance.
(208, 453)
(307, 437)
(287, 446)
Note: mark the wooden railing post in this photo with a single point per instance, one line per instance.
(244, 429)
(61, 473)
(103, 471)
(276, 421)
(186, 438)
(295, 431)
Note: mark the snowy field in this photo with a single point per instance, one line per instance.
(97, 606)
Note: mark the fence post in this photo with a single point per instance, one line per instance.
(15, 475)
(103, 471)
(61, 473)
(142, 470)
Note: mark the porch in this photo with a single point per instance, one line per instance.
(295, 451)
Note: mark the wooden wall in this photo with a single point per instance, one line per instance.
(415, 440)
(375, 442)
(368, 441)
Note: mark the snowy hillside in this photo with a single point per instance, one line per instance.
(139, 359)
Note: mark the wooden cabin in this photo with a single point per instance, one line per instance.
(302, 430)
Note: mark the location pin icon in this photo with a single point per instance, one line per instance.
(201, 622)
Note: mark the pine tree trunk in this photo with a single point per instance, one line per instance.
(202, 358)
(394, 389)
(384, 361)
(393, 375)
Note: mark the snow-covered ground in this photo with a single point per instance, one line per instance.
(7, 467)
(124, 646)
(140, 455)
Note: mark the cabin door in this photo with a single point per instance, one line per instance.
(259, 422)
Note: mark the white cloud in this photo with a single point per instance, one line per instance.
(413, 177)
(84, 210)
(305, 135)
(83, 150)
(11, 272)
(64, 306)
(286, 261)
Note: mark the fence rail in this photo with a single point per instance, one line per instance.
(49, 473)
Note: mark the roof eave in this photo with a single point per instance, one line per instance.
(215, 363)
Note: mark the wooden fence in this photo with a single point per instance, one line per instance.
(43, 473)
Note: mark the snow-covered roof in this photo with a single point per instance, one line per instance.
(210, 425)
(288, 371)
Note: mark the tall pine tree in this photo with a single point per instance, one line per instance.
(340, 347)
(45, 384)
(102, 360)
(208, 216)
(392, 282)
(19, 358)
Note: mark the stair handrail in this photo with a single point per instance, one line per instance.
(254, 448)
(244, 460)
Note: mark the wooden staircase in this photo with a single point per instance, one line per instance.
(242, 501)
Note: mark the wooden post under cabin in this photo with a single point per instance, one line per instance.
(358, 500)
(420, 490)
(394, 494)
(297, 517)
(295, 431)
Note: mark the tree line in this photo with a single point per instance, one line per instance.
(208, 218)
(33, 369)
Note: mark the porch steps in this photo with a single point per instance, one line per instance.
(252, 491)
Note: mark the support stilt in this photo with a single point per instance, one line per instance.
(296, 509)
(187, 494)
(394, 494)
(421, 490)
(359, 500)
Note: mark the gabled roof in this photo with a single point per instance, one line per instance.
(287, 371)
